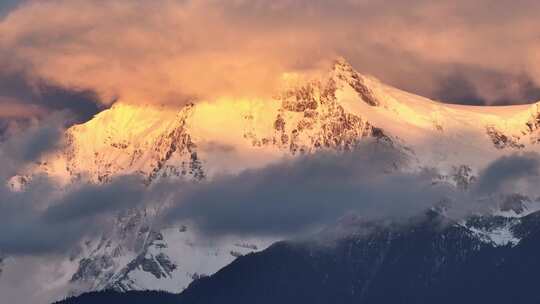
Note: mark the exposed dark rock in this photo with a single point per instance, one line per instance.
(324, 122)
(502, 141)
(235, 253)
(463, 177)
(514, 202)
(346, 73)
(159, 266)
(533, 123)
(178, 141)
(198, 276)
(90, 268)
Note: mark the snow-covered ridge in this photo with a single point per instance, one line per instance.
(500, 226)
(226, 135)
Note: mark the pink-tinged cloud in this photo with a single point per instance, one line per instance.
(173, 51)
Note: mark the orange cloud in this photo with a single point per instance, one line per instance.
(172, 51)
(147, 52)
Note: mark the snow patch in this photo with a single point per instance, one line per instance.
(500, 236)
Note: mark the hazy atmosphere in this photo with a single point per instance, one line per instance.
(147, 145)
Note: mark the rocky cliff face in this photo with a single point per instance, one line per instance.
(310, 117)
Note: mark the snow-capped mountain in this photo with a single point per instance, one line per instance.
(202, 139)
(198, 141)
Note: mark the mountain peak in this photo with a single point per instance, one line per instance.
(343, 72)
(341, 68)
(341, 64)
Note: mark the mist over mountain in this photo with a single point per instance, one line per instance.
(429, 258)
(155, 197)
(291, 151)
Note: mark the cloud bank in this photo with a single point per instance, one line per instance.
(23, 146)
(289, 198)
(510, 173)
(45, 220)
(171, 51)
(23, 96)
(300, 195)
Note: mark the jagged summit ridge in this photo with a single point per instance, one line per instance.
(331, 113)
(344, 72)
